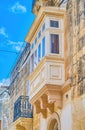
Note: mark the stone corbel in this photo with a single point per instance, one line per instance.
(37, 107)
(54, 98)
(44, 113)
(43, 102)
(19, 127)
(51, 107)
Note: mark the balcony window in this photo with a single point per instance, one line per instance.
(35, 59)
(54, 24)
(39, 52)
(43, 27)
(43, 46)
(32, 62)
(32, 45)
(39, 34)
(35, 40)
(54, 43)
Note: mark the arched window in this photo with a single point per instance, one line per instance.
(54, 122)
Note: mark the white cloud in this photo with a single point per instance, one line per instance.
(17, 45)
(18, 8)
(18, 48)
(3, 32)
(5, 82)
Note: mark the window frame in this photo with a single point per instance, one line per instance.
(35, 58)
(43, 27)
(57, 53)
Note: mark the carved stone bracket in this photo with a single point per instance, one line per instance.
(46, 102)
(23, 123)
(19, 127)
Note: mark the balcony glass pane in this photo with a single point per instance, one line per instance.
(32, 62)
(43, 47)
(35, 40)
(54, 23)
(35, 59)
(39, 34)
(39, 52)
(54, 43)
(32, 45)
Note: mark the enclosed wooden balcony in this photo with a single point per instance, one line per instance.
(46, 83)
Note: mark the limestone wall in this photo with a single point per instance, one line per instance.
(78, 113)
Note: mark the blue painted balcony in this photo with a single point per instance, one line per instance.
(22, 108)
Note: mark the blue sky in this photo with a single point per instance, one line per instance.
(16, 19)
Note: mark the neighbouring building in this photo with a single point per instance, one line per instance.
(52, 69)
(76, 39)
(4, 108)
(0, 124)
(20, 108)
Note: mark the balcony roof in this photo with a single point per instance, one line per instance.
(43, 12)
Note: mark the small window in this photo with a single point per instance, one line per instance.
(39, 52)
(54, 43)
(43, 27)
(54, 23)
(43, 46)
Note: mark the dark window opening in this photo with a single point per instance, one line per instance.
(54, 23)
(54, 43)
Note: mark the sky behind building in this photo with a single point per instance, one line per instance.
(15, 20)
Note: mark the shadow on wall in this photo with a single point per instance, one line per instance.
(19, 127)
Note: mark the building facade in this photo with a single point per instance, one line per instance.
(50, 83)
(76, 36)
(4, 108)
(20, 108)
(56, 69)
